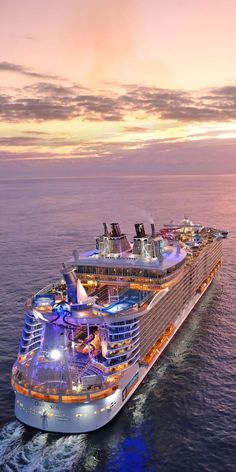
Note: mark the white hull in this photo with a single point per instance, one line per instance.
(81, 418)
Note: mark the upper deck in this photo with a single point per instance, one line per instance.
(171, 257)
(119, 277)
(117, 260)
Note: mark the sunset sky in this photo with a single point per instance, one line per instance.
(146, 86)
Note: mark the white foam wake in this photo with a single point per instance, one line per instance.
(27, 457)
(10, 438)
(41, 453)
(62, 454)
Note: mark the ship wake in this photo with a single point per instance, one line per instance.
(43, 452)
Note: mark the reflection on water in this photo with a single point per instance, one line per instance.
(182, 416)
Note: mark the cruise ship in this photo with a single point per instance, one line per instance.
(90, 338)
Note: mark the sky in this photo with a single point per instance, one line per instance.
(94, 87)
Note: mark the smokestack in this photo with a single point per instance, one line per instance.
(140, 231)
(159, 248)
(115, 230)
(105, 229)
(153, 231)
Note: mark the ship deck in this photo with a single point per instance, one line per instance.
(171, 257)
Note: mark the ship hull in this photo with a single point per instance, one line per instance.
(76, 418)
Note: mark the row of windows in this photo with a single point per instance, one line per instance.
(121, 337)
(119, 359)
(124, 330)
(124, 359)
(31, 334)
(32, 347)
(123, 323)
(27, 334)
(112, 352)
(32, 328)
(129, 272)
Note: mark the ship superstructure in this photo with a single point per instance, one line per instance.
(90, 339)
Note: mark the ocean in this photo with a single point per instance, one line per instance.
(183, 416)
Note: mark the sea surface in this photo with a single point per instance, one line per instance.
(183, 416)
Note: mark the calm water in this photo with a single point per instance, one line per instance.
(183, 416)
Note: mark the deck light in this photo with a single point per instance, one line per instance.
(55, 354)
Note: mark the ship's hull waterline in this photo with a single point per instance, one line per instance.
(76, 419)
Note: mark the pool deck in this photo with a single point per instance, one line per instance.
(128, 300)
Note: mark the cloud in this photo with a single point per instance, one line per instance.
(19, 141)
(22, 70)
(182, 106)
(136, 129)
(45, 101)
(35, 132)
(40, 140)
